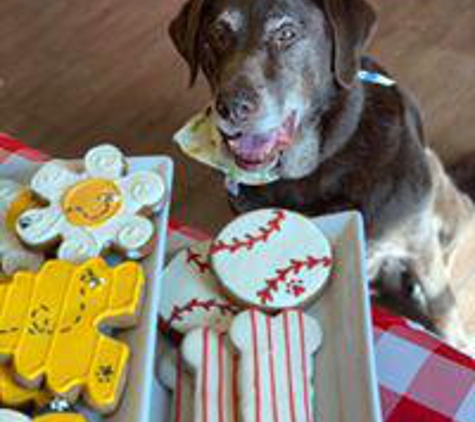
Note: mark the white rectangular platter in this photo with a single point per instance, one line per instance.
(345, 372)
(138, 396)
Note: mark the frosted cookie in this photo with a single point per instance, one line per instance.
(14, 200)
(61, 417)
(50, 327)
(215, 365)
(88, 212)
(191, 295)
(14, 395)
(8, 415)
(273, 259)
(276, 365)
(174, 376)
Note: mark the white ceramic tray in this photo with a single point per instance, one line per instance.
(138, 396)
(345, 373)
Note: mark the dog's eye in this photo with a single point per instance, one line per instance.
(285, 36)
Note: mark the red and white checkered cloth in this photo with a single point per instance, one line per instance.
(421, 379)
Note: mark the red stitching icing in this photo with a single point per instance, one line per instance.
(266, 295)
(273, 226)
(179, 312)
(202, 265)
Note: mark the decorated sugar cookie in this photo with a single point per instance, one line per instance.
(50, 321)
(88, 212)
(276, 365)
(175, 377)
(14, 200)
(215, 365)
(191, 295)
(61, 417)
(8, 415)
(273, 259)
(14, 395)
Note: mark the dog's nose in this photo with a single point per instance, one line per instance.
(236, 108)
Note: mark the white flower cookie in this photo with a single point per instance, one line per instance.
(191, 294)
(276, 365)
(14, 200)
(95, 210)
(273, 259)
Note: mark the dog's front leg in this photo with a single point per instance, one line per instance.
(441, 302)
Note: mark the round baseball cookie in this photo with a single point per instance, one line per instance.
(104, 206)
(191, 295)
(272, 259)
(14, 200)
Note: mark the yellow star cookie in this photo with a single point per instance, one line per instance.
(50, 322)
(14, 395)
(97, 209)
(14, 200)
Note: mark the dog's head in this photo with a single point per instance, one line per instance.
(272, 66)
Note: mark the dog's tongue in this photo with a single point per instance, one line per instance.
(254, 147)
(261, 148)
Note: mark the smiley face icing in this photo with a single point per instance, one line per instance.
(50, 322)
(92, 211)
(14, 200)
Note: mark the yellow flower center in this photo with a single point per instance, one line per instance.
(92, 202)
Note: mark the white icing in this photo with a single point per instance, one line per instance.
(13, 255)
(212, 359)
(7, 415)
(105, 161)
(79, 247)
(123, 228)
(39, 226)
(135, 233)
(144, 189)
(52, 179)
(173, 374)
(191, 295)
(276, 372)
(272, 259)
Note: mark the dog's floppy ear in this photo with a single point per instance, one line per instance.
(184, 31)
(352, 23)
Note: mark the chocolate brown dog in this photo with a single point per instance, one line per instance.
(284, 76)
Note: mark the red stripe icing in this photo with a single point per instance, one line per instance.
(205, 376)
(235, 386)
(221, 380)
(288, 359)
(270, 341)
(257, 370)
(179, 387)
(303, 351)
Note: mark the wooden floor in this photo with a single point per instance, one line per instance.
(74, 73)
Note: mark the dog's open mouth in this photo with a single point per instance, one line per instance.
(256, 152)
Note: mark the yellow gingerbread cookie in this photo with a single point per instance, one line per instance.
(61, 417)
(50, 327)
(14, 200)
(7, 415)
(14, 395)
(89, 212)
